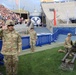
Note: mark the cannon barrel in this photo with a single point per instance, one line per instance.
(72, 61)
(64, 58)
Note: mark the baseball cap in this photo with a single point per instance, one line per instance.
(69, 34)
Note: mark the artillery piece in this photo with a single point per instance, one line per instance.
(69, 59)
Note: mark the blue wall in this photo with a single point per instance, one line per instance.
(65, 30)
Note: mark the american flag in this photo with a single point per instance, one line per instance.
(17, 2)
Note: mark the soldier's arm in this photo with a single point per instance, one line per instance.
(19, 42)
(65, 44)
(35, 36)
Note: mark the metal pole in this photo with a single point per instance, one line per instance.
(19, 7)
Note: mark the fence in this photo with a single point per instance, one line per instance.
(65, 30)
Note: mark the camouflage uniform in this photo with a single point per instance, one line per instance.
(68, 42)
(10, 48)
(33, 37)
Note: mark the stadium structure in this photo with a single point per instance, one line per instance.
(64, 15)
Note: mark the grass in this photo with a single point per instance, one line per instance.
(41, 63)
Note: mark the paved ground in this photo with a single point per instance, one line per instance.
(44, 47)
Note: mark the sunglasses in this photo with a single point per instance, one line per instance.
(10, 25)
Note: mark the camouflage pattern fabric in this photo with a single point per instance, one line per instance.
(33, 37)
(11, 42)
(11, 46)
(11, 64)
(68, 44)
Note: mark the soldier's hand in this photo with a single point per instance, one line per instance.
(4, 27)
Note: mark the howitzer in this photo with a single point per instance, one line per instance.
(68, 59)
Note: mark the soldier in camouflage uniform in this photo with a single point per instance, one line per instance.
(33, 38)
(11, 47)
(68, 42)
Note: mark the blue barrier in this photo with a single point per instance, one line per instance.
(1, 56)
(62, 30)
(65, 30)
(45, 39)
(25, 42)
(0, 45)
(41, 40)
(1, 59)
(55, 36)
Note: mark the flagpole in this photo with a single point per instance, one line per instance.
(19, 7)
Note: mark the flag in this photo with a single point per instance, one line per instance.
(17, 2)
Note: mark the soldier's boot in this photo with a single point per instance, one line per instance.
(33, 48)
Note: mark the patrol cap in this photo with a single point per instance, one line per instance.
(32, 28)
(10, 22)
(69, 34)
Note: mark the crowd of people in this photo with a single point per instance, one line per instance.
(6, 14)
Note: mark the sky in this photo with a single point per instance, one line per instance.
(28, 5)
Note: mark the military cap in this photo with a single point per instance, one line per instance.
(69, 34)
(10, 22)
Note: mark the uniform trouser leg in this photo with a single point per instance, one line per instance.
(32, 48)
(11, 63)
(32, 43)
